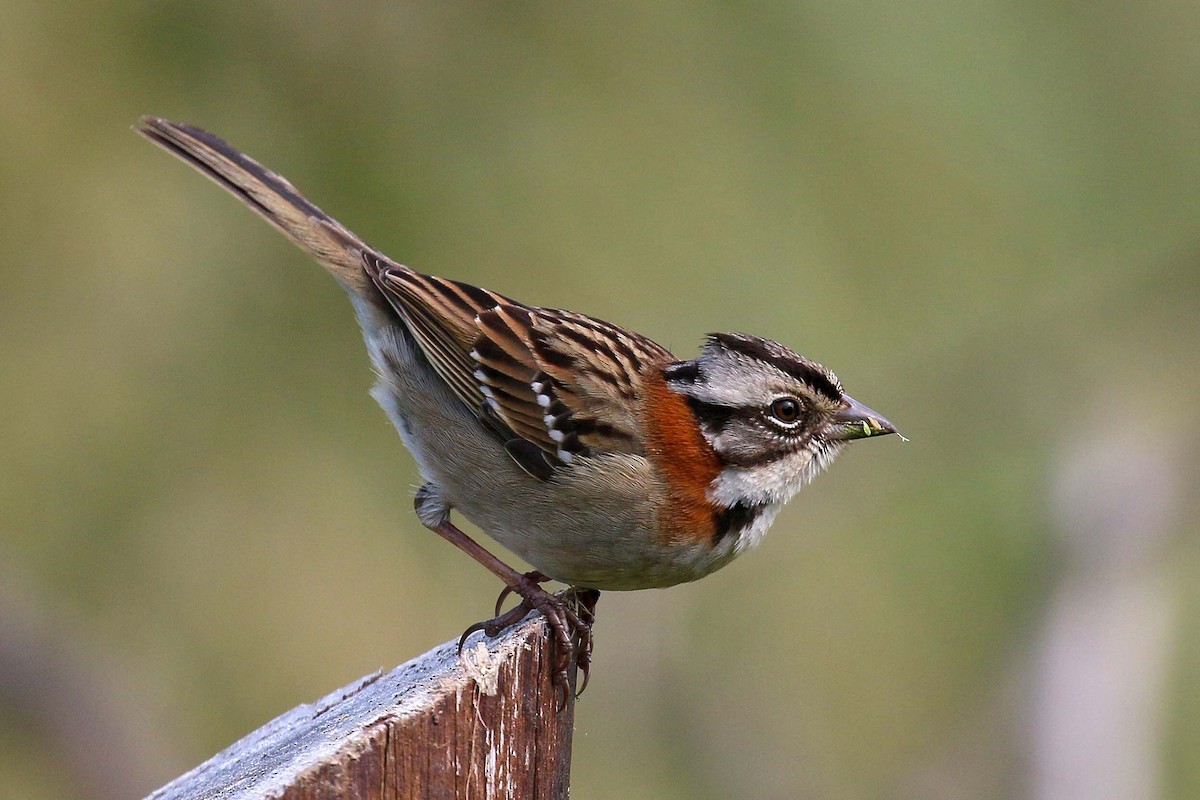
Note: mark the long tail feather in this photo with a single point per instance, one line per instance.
(271, 196)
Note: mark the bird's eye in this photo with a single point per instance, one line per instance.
(786, 409)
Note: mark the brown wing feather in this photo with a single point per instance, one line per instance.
(583, 377)
(442, 317)
(566, 383)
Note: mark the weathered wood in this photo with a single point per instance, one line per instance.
(484, 726)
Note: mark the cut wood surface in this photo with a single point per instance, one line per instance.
(484, 726)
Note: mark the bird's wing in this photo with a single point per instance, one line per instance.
(555, 385)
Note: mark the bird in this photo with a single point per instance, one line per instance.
(585, 448)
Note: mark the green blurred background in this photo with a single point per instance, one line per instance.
(983, 216)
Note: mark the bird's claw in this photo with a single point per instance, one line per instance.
(570, 618)
(586, 600)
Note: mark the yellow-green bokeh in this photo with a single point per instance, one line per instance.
(984, 216)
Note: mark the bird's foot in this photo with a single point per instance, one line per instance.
(570, 618)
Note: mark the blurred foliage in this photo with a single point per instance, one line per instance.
(982, 215)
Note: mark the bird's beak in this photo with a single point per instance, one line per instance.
(856, 421)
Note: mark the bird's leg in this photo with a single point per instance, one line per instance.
(564, 622)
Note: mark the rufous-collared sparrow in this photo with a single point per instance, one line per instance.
(585, 448)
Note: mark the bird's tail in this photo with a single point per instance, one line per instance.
(272, 197)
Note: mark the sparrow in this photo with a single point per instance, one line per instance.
(590, 451)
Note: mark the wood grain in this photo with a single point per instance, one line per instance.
(484, 726)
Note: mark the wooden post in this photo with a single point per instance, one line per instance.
(483, 726)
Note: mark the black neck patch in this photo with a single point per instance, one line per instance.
(683, 372)
(734, 519)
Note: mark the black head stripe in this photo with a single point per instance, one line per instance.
(685, 372)
(782, 359)
(712, 417)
